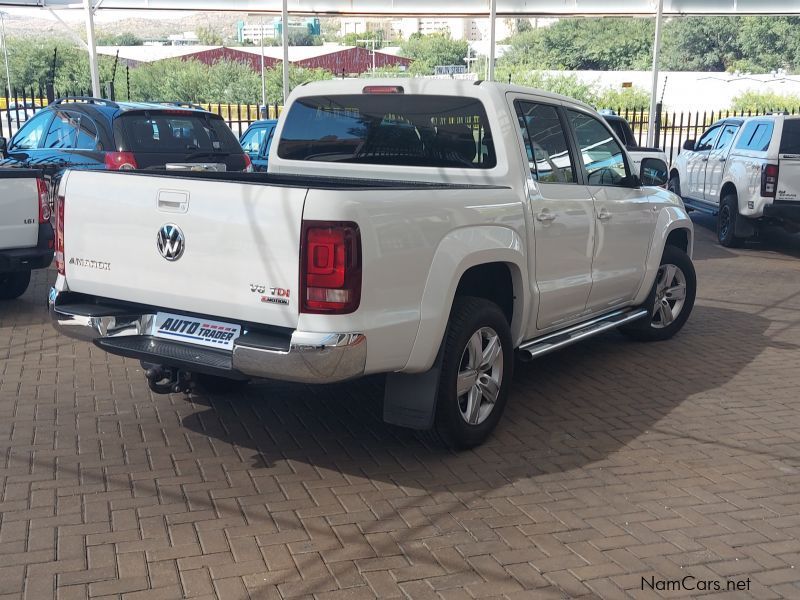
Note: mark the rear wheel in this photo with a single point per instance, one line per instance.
(671, 299)
(13, 285)
(726, 222)
(476, 370)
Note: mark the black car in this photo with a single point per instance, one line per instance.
(92, 133)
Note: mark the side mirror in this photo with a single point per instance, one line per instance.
(654, 172)
(688, 145)
(3, 147)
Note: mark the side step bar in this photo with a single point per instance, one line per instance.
(560, 339)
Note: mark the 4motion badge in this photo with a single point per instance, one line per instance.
(271, 295)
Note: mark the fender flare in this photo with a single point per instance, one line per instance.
(669, 219)
(457, 252)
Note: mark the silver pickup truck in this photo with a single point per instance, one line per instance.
(26, 236)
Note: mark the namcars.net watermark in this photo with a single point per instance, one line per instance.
(690, 583)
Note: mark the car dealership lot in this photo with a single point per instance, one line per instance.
(657, 461)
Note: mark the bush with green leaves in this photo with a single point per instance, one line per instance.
(763, 102)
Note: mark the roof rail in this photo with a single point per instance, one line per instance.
(182, 104)
(86, 99)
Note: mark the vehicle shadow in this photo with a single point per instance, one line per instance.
(31, 307)
(774, 240)
(566, 410)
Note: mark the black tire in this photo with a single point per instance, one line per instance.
(674, 185)
(652, 327)
(473, 316)
(726, 222)
(13, 285)
(218, 385)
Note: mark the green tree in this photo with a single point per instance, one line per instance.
(119, 39)
(357, 39)
(431, 50)
(700, 44)
(209, 37)
(768, 43)
(591, 44)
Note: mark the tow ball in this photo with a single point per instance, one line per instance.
(167, 380)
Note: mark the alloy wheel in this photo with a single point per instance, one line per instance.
(670, 295)
(480, 376)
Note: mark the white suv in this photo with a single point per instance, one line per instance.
(744, 170)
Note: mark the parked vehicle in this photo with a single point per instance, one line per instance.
(26, 236)
(257, 140)
(401, 229)
(746, 171)
(91, 133)
(625, 134)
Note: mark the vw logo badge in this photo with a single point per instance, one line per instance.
(170, 242)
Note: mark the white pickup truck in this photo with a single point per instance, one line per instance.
(402, 229)
(744, 170)
(26, 236)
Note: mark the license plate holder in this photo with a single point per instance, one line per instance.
(196, 331)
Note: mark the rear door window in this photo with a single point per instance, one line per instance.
(545, 143)
(790, 139)
(389, 129)
(755, 136)
(178, 132)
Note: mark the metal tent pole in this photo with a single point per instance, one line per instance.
(263, 77)
(90, 39)
(285, 32)
(651, 125)
(5, 53)
(492, 32)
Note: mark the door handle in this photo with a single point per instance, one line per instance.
(722, 159)
(173, 201)
(704, 159)
(545, 216)
(604, 214)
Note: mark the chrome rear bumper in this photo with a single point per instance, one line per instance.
(307, 357)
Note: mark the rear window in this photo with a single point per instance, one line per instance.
(756, 136)
(391, 129)
(178, 133)
(790, 140)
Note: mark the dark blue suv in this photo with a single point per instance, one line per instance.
(92, 133)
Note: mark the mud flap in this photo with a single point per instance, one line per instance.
(744, 227)
(410, 398)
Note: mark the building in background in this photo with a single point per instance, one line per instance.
(254, 31)
(339, 60)
(472, 29)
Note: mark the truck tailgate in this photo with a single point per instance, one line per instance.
(19, 210)
(223, 249)
(788, 188)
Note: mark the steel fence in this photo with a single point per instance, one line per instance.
(673, 128)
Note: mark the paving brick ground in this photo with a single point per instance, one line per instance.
(615, 461)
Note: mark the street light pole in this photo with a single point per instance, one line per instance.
(5, 52)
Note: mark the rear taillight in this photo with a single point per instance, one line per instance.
(44, 201)
(248, 164)
(120, 161)
(330, 265)
(769, 180)
(60, 234)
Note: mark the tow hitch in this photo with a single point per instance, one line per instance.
(167, 380)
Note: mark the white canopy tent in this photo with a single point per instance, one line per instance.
(488, 8)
